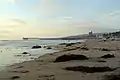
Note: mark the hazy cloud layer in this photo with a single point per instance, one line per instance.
(52, 18)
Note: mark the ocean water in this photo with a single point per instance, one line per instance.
(11, 51)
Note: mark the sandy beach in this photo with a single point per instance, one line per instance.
(92, 59)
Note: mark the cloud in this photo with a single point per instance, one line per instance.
(109, 20)
(19, 21)
(62, 29)
(13, 22)
(67, 28)
(13, 28)
(11, 1)
(49, 8)
(115, 13)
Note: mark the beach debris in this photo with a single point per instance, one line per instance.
(19, 67)
(104, 49)
(108, 56)
(68, 57)
(36, 47)
(90, 69)
(84, 48)
(18, 55)
(46, 77)
(15, 77)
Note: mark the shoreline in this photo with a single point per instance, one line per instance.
(55, 48)
(45, 67)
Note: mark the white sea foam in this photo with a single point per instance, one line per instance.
(11, 51)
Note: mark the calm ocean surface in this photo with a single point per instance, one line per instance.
(11, 51)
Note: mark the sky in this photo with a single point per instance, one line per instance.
(57, 18)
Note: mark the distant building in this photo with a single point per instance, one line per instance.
(92, 35)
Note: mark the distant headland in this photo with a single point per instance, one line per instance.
(90, 35)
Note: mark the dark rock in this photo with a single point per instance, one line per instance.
(48, 48)
(101, 61)
(36, 47)
(103, 49)
(104, 40)
(51, 54)
(23, 71)
(25, 53)
(41, 60)
(62, 44)
(112, 39)
(15, 77)
(18, 55)
(108, 56)
(44, 46)
(79, 42)
(69, 57)
(90, 69)
(69, 44)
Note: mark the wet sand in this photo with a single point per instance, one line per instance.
(45, 67)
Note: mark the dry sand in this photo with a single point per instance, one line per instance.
(44, 68)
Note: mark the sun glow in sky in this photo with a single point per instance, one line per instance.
(56, 18)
